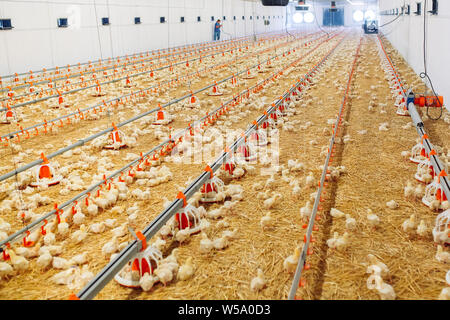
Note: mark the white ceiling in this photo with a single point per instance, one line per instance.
(338, 2)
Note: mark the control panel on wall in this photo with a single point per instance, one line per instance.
(105, 21)
(5, 24)
(62, 23)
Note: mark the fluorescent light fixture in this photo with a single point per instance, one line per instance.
(297, 17)
(358, 16)
(355, 3)
(309, 17)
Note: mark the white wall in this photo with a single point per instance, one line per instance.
(37, 42)
(406, 35)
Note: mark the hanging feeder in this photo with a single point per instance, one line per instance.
(228, 167)
(245, 152)
(402, 109)
(8, 116)
(144, 262)
(249, 75)
(442, 225)
(188, 218)
(45, 174)
(215, 91)
(418, 153)
(433, 192)
(117, 140)
(259, 138)
(193, 101)
(425, 170)
(162, 117)
(211, 188)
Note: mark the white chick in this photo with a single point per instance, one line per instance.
(392, 204)
(186, 270)
(336, 213)
(266, 221)
(409, 190)
(306, 211)
(63, 228)
(409, 225)
(290, 263)
(204, 224)
(258, 282)
(78, 218)
(238, 173)
(44, 260)
(110, 247)
(164, 275)
(310, 180)
(342, 242)
(49, 238)
(92, 209)
(331, 243)
(385, 290)
(79, 259)
(79, 235)
(147, 281)
(182, 235)
(97, 227)
(206, 245)
(372, 218)
(60, 263)
(5, 270)
(110, 223)
(441, 255)
(269, 203)
(382, 269)
(422, 229)
(120, 231)
(350, 223)
(221, 243)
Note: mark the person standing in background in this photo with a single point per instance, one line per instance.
(217, 27)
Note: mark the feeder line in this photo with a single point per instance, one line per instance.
(12, 134)
(418, 124)
(303, 255)
(91, 189)
(147, 53)
(122, 258)
(94, 136)
(112, 81)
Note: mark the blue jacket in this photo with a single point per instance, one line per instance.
(217, 27)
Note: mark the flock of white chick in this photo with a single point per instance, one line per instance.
(48, 254)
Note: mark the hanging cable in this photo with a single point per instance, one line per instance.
(424, 74)
(387, 23)
(98, 31)
(110, 31)
(315, 18)
(285, 26)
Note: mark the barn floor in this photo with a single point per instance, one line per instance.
(376, 173)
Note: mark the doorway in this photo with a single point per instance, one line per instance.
(333, 18)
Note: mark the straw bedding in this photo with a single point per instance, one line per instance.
(376, 174)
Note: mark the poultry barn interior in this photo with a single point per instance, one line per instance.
(303, 155)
